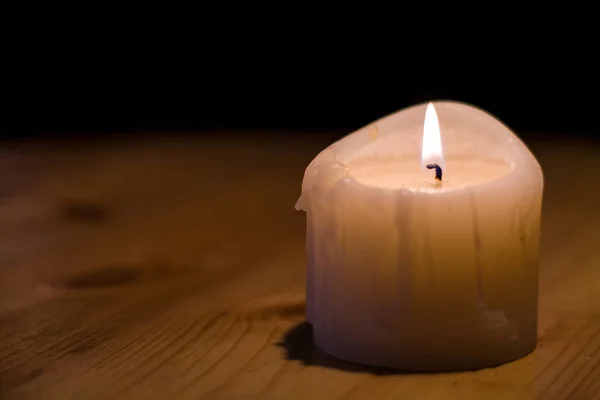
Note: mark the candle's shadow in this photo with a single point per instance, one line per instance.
(299, 345)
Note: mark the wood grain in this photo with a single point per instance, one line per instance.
(173, 267)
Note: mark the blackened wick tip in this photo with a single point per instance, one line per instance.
(438, 170)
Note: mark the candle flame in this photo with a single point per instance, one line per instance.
(431, 151)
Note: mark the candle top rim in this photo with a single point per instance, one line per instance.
(401, 132)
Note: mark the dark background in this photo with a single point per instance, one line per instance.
(135, 98)
(196, 82)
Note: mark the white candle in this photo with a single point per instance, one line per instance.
(409, 272)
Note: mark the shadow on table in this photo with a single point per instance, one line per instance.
(299, 345)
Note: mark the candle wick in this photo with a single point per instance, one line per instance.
(438, 170)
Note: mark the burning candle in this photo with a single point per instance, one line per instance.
(422, 241)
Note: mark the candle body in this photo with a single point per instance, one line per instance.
(405, 274)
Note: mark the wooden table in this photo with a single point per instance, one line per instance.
(173, 268)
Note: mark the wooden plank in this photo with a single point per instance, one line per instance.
(174, 268)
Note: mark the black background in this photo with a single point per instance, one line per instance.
(155, 78)
(126, 99)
